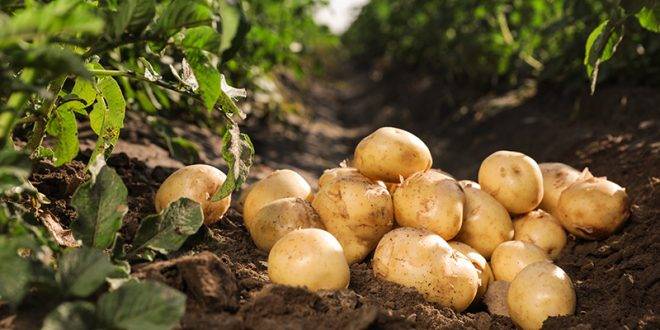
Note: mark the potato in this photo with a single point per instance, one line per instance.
(556, 178)
(479, 262)
(539, 291)
(333, 173)
(430, 200)
(390, 153)
(495, 298)
(541, 229)
(593, 208)
(511, 257)
(486, 223)
(196, 182)
(356, 210)
(422, 260)
(280, 217)
(310, 258)
(514, 179)
(276, 185)
(469, 183)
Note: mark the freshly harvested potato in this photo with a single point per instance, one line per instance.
(276, 185)
(486, 223)
(593, 208)
(390, 153)
(310, 258)
(509, 258)
(479, 262)
(541, 229)
(514, 179)
(539, 291)
(495, 298)
(333, 173)
(469, 183)
(430, 200)
(556, 178)
(422, 260)
(196, 182)
(280, 217)
(356, 210)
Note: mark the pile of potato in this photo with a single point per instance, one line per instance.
(455, 242)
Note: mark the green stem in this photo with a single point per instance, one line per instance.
(43, 115)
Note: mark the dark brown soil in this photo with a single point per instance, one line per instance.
(615, 134)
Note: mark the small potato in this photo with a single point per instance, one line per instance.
(310, 258)
(514, 179)
(511, 257)
(495, 298)
(539, 291)
(469, 183)
(593, 208)
(556, 178)
(479, 262)
(430, 200)
(422, 260)
(390, 153)
(541, 229)
(276, 185)
(280, 217)
(486, 223)
(197, 182)
(356, 210)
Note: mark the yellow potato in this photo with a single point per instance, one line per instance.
(310, 258)
(333, 173)
(514, 179)
(356, 210)
(390, 153)
(422, 260)
(280, 217)
(486, 223)
(430, 200)
(556, 178)
(276, 185)
(511, 257)
(539, 291)
(196, 182)
(479, 262)
(541, 229)
(469, 183)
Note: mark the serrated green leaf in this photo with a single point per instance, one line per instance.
(237, 151)
(101, 204)
(132, 16)
(167, 231)
(649, 17)
(207, 76)
(202, 38)
(107, 115)
(141, 306)
(183, 13)
(76, 315)
(81, 271)
(64, 128)
(84, 89)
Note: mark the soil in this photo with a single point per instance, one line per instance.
(614, 133)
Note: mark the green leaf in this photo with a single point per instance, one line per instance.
(600, 47)
(649, 17)
(15, 167)
(234, 27)
(141, 306)
(15, 271)
(107, 116)
(63, 127)
(207, 76)
(183, 150)
(101, 204)
(84, 89)
(237, 151)
(51, 60)
(132, 16)
(183, 13)
(202, 38)
(76, 315)
(81, 271)
(167, 231)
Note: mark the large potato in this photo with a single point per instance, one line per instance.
(276, 185)
(514, 179)
(593, 208)
(310, 258)
(511, 257)
(280, 217)
(430, 200)
(422, 260)
(196, 182)
(556, 178)
(356, 210)
(390, 153)
(486, 223)
(541, 229)
(539, 291)
(479, 262)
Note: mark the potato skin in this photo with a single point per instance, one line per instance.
(509, 258)
(390, 153)
(310, 258)
(541, 229)
(357, 211)
(486, 223)
(276, 185)
(430, 200)
(556, 178)
(338, 172)
(539, 291)
(279, 218)
(469, 183)
(479, 262)
(422, 260)
(514, 179)
(593, 208)
(197, 182)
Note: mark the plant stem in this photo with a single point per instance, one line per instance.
(43, 115)
(135, 76)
